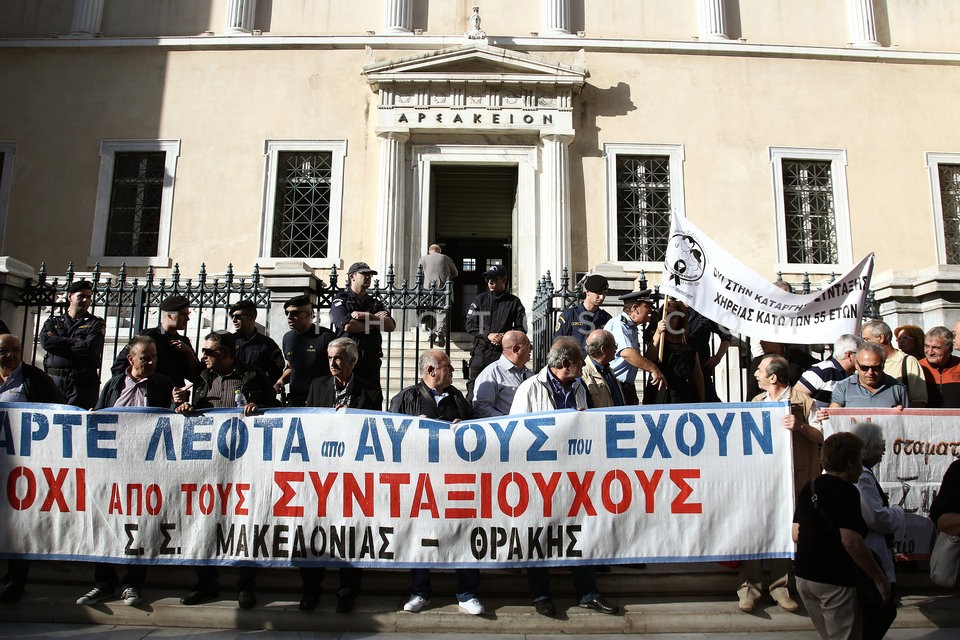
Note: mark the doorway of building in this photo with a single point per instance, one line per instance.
(473, 212)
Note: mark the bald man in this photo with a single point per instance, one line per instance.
(498, 382)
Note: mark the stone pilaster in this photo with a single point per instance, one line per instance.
(863, 23)
(398, 16)
(241, 15)
(87, 18)
(554, 224)
(556, 18)
(390, 201)
(712, 19)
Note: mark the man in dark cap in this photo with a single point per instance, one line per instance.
(305, 350)
(492, 313)
(363, 319)
(176, 358)
(74, 345)
(626, 330)
(255, 349)
(580, 320)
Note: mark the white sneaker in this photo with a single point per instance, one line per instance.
(130, 596)
(473, 606)
(94, 596)
(415, 604)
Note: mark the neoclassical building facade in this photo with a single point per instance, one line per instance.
(800, 134)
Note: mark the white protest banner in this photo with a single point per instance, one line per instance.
(702, 274)
(314, 486)
(920, 445)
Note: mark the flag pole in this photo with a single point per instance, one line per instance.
(663, 338)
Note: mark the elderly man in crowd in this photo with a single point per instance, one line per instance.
(176, 358)
(558, 386)
(227, 383)
(497, 383)
(819, 380)
(941, 369)
(362, 318)
(438, 269)
(21, 382)
(603, 388)
(870, 386)
(305, 350)
(435, 397)
(139, 386)
(773, 376)
(340, 390)
(897, 364)
(74, 345)
(580, 320)
(255, 349)
(491, 315)
(626, 330)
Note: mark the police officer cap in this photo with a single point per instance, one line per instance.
(637, 296)
(495, 272)
(174, 303)
(360, 267)
(298, 301)
(79, 285)
(595, 284)
(244, 305)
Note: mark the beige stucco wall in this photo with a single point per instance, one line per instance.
(167, 18)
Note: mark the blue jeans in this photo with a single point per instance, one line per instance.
(468, 582)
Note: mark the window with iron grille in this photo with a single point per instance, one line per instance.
(809, 212)
(645, 189)
(134, 202)
(303, 200)
(949, 179)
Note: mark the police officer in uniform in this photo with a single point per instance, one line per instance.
(492, 314)
(74, 345)
(626, 330)
(254, 349)
(363, 319)
(305, 350)
(580, 320)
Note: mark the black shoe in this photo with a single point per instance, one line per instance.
(199, 596)
(545, 608)
(309, 600)
(246, 599)
(11, 594)
(344, 602)
(599, 604)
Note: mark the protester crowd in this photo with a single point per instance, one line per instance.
(596, 360)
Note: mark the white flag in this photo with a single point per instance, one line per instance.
(702, 274)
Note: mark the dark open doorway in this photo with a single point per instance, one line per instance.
(473, 207)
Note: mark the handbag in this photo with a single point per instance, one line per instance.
(945, 561)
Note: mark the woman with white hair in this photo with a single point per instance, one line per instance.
(882, 520)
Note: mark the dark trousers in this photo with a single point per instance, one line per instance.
(468, 583)
(105, 575)
(81, 390)
(17, 571)
(584, 582)
(877, 620)
(208, 579)
(630, 397)
(311, 577)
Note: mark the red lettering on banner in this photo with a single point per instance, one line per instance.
(27, 501)
(581, 495)
(486, 495)
(205, 498)
(153, 499)
(625, 490)
(680, 504)
(455, 496)
(134, 502)
(351, 492)
(524, 497)
(242, 499)
(423, 498)
(394, 480)
(55, 489)
(283, 508)
(223, 492)
(115, 505)
(547, 489)
(322, 489)
(188, 489)
(81, 489)
(649, 486)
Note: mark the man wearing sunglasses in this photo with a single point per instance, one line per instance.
(255, 349)
(870, 386)
(305, 350)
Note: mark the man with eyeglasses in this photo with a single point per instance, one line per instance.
(363, 319)
(819, 380)
(558, 386)
(74, 345)
(870, 386)
(255, 349)
(897, 364)
(305, 350)
(941, 369)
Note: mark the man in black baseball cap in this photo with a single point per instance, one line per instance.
(492, 313)
(363, 319)
(74, 345)
(580, 320)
